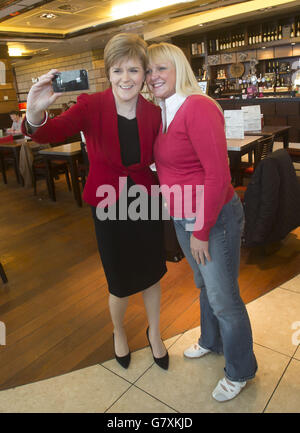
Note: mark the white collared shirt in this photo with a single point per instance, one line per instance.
(169, 108)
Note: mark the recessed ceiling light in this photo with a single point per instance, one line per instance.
(15, 52)
(48, 16)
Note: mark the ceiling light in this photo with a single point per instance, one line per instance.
(48, 16)
(136, 7)
(15, 52)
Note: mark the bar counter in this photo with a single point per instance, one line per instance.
(284, 111)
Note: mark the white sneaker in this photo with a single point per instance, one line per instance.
(195, 351)
(225, 391)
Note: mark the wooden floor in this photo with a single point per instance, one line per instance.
(55, 304)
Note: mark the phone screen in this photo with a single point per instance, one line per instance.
(70, 81)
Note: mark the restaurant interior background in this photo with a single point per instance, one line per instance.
(55, 302)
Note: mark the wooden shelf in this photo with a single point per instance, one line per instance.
(272, 44)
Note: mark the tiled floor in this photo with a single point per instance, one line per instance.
(186, 387)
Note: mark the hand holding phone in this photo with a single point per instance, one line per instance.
(70, 81)
(40, 97)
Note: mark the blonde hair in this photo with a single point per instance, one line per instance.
(186, 83)
(124, 46)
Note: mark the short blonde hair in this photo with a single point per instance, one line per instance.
(186, 83)
(125, 46)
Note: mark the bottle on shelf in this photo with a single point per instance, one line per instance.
(194, 49)
(229, 42)
(233, 41)
(259, 38)
(277, 81)
(249, 38)
(222, 43)
(279, 32)
(243, 39)
(264, 37)
(298, 29)
(217, 44)
(292, 31)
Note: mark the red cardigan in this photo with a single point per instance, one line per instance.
(193, 152)
(96, 116)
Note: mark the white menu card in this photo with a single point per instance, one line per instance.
(252, 117)
(234, 123)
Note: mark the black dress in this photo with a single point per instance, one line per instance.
(132, 252)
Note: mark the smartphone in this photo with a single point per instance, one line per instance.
(70, 81)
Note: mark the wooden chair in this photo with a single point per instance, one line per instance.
(262, 149)
(39, 169)
(83, 164)
(3, 274)
(8, 157)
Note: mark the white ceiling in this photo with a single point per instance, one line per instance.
(81, 25)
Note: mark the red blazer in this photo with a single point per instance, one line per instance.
(96, 116)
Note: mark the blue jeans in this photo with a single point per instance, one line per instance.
(225, 325)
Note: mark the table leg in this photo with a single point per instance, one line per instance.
(2, 166)
(50, 181)
(75, 182)
(16, 151)
(235, 165)
(285, 137)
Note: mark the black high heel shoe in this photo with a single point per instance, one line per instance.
(124, 361)
(161, 362)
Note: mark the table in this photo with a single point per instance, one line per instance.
(14, 134)
(277, 131)
(70, 153)
(15, 147)
(236, 148)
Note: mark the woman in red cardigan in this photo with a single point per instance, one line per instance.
(190, 153)
(119, 127)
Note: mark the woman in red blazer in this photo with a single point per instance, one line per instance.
(119, 127)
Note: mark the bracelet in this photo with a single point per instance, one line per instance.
(37, 126)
